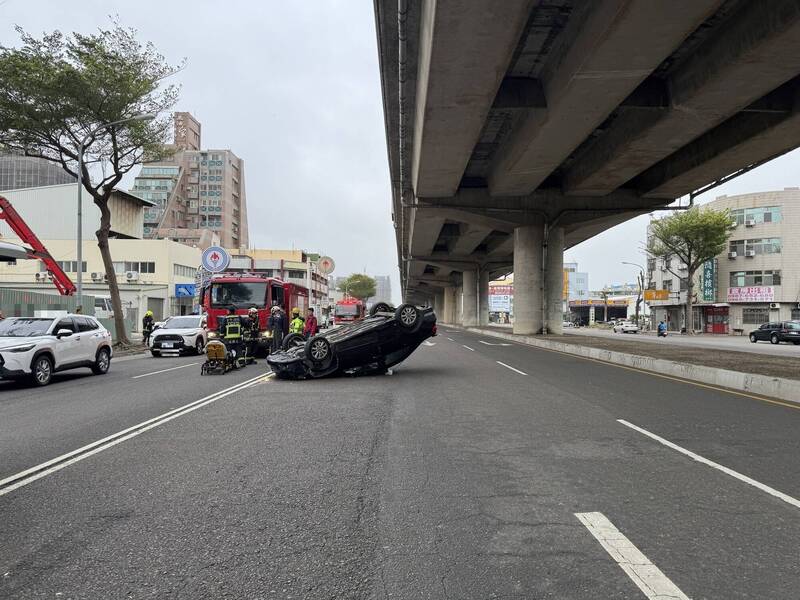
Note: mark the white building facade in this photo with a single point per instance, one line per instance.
(755, 280)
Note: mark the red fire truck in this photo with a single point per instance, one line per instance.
(348, 310)
(243, 291)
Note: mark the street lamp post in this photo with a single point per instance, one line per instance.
(81, 148)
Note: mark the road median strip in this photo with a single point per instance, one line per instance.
(9, 484)
(750, 385)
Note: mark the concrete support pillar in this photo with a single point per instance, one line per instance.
(459, 305)
(528, 279)
(449, 305)
(483, 300)
(438, 305)
(470, 302)
(554, 281)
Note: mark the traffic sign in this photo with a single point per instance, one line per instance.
(215, 259)
(325, 265)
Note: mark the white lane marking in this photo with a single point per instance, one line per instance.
(648, 577)
(756, 484)
(510, 367)
(165, 370)
(9, 484)
(451, 339)
(468, 348)
(493, 344)
(427, 343)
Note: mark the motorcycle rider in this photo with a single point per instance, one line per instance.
(662, 329)
(147, 327)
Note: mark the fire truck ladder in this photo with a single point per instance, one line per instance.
(37, 250)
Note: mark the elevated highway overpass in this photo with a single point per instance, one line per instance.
(519, 128)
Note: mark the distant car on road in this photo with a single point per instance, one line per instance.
(625, 327)
(179, 335)
(35, 348)
(777, 332)
(568, 324)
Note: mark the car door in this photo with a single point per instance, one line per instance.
(88, 337)
(67, 348)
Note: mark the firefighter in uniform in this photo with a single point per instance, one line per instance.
(230, 328)
(252, 332)
(297, 324)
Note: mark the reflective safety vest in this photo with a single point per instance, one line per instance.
(233, 328)
(296, 326)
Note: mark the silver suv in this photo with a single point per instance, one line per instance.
(37, 347)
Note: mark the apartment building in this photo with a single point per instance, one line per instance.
(754, 281)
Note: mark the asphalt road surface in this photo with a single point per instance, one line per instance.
(478, 469)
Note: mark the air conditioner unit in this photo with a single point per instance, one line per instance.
(131, 275)
(750, 253)
(774, 305)
(750, 223)
(732, 255)
(97, 276)
(42, 276)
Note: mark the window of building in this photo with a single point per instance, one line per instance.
(183, 270)
(748, 278)
(667, 284)
(295, 274)
(755, 315)
(757, 245)
(796, 314)
(68, 266)
(763, 214)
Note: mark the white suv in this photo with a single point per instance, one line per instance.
(37, 347)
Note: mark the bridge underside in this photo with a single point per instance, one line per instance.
(517, 129)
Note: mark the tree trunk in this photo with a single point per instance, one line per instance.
(105, 253)
(689, 304)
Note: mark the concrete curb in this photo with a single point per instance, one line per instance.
(762, 385)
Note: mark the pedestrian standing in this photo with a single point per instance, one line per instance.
(311, 327)
(147, 326)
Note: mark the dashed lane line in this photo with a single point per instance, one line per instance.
(166, 370)
(502, 364)
(744, 478)
(647, 577)
(468, 348)
(9, 484)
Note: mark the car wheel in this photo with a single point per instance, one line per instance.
(199, 345)
(319, 351)
(42, 372)
(155, 353)
(380, 307)
(292, 341)
(774, 339)
(753, 338)
(408, 316)
(102, 362)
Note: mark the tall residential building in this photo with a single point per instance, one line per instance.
(755, 280)
(575, 282)
(383, 289)
(195, 192)
(19, 172)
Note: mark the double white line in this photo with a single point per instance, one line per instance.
(9, 484)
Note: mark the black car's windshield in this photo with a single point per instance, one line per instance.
(182, 323)
(346, 310)
(239, 294)
(24, 327)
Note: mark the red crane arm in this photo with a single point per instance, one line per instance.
(38, 251)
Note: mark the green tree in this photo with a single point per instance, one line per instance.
(692, 237)
(358, 286)
(61, 89)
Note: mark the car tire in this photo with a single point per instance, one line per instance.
(155, 353)
(319, 351)
(292, 340)
(102, 362)
(408, 317)
(380, 307)
(774, 339)
(199, 346)
(42, 370)
(753, 338)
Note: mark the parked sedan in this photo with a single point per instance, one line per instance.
(626, 327)
(180, 335)
(777, 332)
(372, 345)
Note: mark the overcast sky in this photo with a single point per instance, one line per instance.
(293, 88)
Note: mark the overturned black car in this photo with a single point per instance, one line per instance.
(385, 338)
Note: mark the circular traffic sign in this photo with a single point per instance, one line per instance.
(215, 259)
(325, 265)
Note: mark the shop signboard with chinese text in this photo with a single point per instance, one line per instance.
(751, 294)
